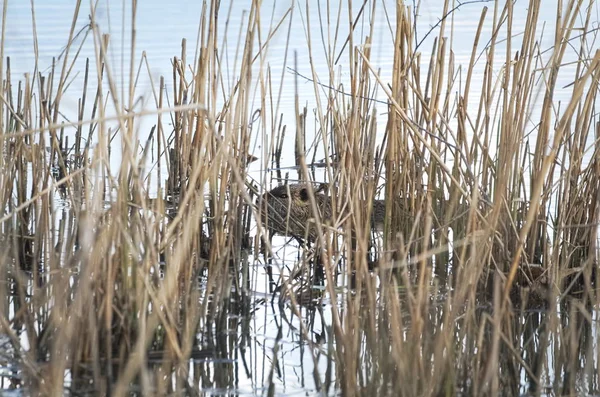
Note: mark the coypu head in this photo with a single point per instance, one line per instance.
(287, 210)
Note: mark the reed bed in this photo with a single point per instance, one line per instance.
(140, 280)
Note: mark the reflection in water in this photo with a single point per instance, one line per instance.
(283, 340)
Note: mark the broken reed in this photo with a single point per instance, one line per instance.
(498, 214)
(95, 304)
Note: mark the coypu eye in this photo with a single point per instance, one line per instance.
(279, 192)
(303, 194)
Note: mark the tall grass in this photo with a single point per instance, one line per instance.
(136, 279)
(98, 291)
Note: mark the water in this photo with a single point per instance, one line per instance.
(160, 29)
(272, 338)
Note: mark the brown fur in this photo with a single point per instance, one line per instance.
(288, 211)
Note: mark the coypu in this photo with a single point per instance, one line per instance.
(288, 211)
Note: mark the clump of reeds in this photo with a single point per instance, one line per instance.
(101, 272)
(500, 217)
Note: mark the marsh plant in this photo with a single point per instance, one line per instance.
(139, 279)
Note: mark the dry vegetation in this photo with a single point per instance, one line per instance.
(118, 279)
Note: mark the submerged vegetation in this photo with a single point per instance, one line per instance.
(142, 278)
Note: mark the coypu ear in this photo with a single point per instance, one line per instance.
(304, 194)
